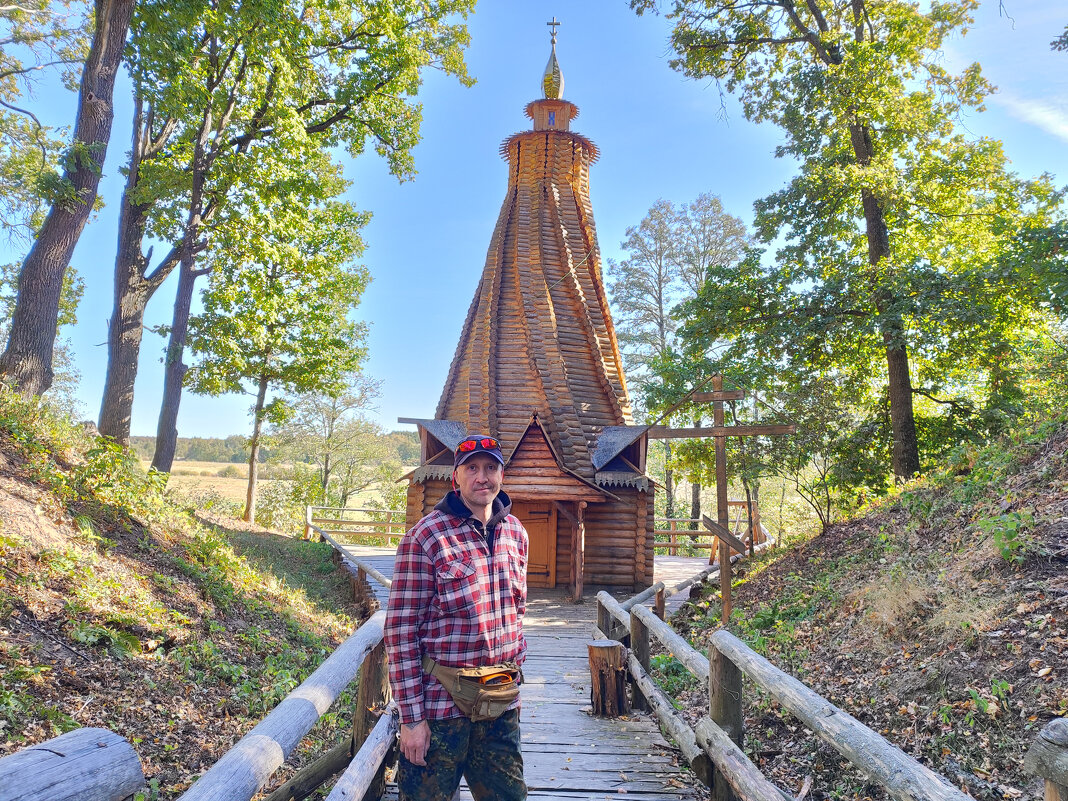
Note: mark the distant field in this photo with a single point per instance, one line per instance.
(193, 477)
(183, 468)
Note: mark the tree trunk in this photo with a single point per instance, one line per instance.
(669, 482)
(133, 289)
(906, 455)
(167, 428)
(906, 458)
(254, 460)
(327, 468)
(27, 361)
(174, 371)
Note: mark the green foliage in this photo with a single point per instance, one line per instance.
(672, 676)
(671, 253)
(1008, 532)
(105, 636)
(39, 36)
(894, 243)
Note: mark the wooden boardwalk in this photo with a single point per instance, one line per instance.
(567, 753)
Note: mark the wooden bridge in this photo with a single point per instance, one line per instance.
(568, 754)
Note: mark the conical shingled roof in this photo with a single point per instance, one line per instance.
(538, 337)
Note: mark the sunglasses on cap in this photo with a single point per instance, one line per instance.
(486, 443)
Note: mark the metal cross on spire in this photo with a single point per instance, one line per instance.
(554, 24)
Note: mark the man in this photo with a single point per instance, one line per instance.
(458, 597)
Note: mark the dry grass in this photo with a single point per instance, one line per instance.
(891, 602)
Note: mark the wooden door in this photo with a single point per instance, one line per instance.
(539, 519)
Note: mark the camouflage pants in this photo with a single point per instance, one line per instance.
(487, 754)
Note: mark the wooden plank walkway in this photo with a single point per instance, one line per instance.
(567, 753)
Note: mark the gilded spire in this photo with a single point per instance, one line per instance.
(552, 82)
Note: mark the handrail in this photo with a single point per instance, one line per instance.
(244, 769)
(904, 778)
(361, 772)
(86, 764)
(348, 559)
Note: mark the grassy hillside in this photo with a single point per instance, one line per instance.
(939, 619)
(119, 608)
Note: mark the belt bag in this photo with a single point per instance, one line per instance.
(481, 693)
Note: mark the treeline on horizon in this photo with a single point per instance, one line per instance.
(401, 446)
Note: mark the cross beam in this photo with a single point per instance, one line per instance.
(720, 432)
(666, 432)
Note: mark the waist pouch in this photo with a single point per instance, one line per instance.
(481, 693)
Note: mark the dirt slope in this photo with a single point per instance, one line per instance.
(939, 620)
(119, 609)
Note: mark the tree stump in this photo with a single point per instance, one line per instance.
(608, 678)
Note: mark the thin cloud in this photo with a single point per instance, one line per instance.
(1051, 118)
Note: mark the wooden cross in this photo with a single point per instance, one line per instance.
(554, 24)
(720, 432)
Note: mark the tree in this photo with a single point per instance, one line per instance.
(670, 253)
(27, 360)
(891, 202)
(328, 429)
(36, 37)
(275, 315)
(65, 381)
(216, 82)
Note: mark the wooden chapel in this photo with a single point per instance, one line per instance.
(538, 366)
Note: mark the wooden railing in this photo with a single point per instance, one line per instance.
(714, 748)
(245, 769)
(377, 526)
(673, 533)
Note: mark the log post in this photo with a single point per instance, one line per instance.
(608, 678)
(307, 522)
(1048, 759)
(372, 696)
(81, 765)
(660, 604)
(605, 621)
(724, 708)
(639, 646)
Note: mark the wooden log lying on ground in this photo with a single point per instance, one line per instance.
(671, 721)
(81, 765)
(608, 678)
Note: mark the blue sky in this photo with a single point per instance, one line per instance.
(660, 136)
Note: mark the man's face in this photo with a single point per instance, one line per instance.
(479, 480)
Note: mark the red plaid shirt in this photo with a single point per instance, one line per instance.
(455, 600)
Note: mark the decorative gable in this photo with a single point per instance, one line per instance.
(534, 472)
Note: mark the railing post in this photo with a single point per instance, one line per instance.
(307, 522)
(639, 646)
(660, 604)
(371, 698)
(725, 709)
(1048, 759)
(604, 620)
(674, 549)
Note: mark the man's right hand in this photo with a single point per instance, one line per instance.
(415, 741)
